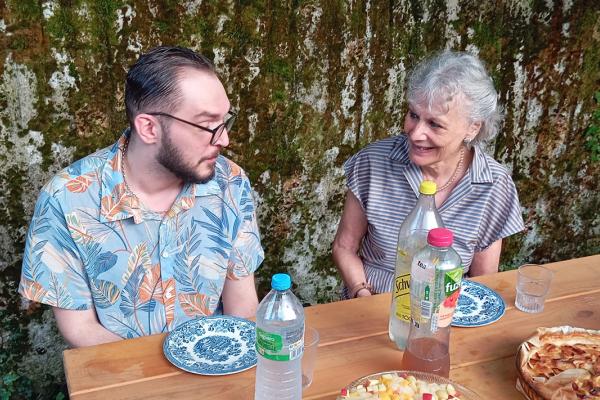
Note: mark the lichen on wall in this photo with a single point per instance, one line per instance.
(313, 81)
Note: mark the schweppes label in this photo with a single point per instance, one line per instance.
(402, 297)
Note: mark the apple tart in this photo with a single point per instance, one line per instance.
(560, 363)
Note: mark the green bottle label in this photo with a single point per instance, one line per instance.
(270, 345)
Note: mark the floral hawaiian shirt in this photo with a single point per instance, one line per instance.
(91, 243)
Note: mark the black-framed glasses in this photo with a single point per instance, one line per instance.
(216, 132)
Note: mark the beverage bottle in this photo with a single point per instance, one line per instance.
(412, 238)
(279, 343)
(435, 286)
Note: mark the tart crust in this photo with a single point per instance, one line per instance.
(560, 363)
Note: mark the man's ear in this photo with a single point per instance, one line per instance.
(148, 128)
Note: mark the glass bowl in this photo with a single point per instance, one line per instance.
(465, 394)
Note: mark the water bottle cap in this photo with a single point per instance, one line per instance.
(428, 187)
(440, 237)
(281, 282)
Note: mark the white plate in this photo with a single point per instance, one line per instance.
(215, 345)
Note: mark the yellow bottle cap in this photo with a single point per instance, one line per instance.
(428, 187)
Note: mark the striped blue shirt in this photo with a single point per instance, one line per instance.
(482, 208)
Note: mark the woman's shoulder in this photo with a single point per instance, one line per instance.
(486, 166)
(382, 148)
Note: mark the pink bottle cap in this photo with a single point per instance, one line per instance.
(440, 237)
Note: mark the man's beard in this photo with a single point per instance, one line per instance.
(171, 158)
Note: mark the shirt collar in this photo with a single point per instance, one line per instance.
(480, 168)
(480, 171)
(118, 203)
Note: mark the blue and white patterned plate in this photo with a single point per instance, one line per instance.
(216, 345)
(478, 305)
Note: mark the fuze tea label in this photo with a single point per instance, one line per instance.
(449, 295)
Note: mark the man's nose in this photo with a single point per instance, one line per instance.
(223, 139)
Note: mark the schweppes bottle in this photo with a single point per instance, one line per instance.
(411, 238)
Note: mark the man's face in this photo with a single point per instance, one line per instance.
(186, 151)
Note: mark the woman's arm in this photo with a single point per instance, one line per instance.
(486, 261)
(351, 230)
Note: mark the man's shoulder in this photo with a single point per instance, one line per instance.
(227, 170)
(80, 175)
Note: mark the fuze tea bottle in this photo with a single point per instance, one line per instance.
(279, 343)
(436, 277)
(412, 238)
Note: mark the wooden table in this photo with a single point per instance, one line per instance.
(354, 342)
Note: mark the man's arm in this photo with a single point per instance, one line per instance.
(486, 261)
(81, 327)
(239, 297)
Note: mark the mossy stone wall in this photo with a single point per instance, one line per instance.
(314, 80)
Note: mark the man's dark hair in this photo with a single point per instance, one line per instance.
(152, 82)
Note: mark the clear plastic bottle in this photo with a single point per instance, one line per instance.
(279, 343)
(412, 238)
(436, 277)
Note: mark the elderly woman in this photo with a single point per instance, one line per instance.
(452, 109)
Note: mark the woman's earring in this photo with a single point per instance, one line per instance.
(467, 141)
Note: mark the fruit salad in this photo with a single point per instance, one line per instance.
(400, 387)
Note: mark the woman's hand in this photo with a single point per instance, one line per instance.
(351, 230)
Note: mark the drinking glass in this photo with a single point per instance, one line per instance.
(309, 358)
(533, 283)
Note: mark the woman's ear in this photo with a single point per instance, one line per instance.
(473, 130)
(148, 128)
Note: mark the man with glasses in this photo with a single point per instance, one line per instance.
(158, 228)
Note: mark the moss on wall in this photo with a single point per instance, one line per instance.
(314, 81)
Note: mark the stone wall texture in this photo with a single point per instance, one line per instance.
(314, 81)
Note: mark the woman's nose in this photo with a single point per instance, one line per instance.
(417, 131)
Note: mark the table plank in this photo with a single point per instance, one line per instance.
(340, 363)
(571, 277)
(354, 343)
(490, 380)
(111, 365)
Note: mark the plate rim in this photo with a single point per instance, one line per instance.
(490, 321)
(176, 363)
(428, 375)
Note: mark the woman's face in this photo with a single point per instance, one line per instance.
(436, 136)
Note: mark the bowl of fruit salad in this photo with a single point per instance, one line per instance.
(405, 385)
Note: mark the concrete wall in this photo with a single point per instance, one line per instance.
(314, 82)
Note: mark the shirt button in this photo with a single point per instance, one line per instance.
(165, 254)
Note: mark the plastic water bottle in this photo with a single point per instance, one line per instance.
(435, 286)
(279, 343)
(412, 238)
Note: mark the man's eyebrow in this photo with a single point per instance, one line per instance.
(206, 114)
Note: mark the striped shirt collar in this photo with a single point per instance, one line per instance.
(479, 170)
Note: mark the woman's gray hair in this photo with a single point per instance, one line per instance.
(437, 80)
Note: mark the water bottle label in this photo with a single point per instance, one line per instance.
(402, 297)
(296, 349)
(271, 345)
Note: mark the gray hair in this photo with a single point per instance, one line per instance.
(437, 80)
